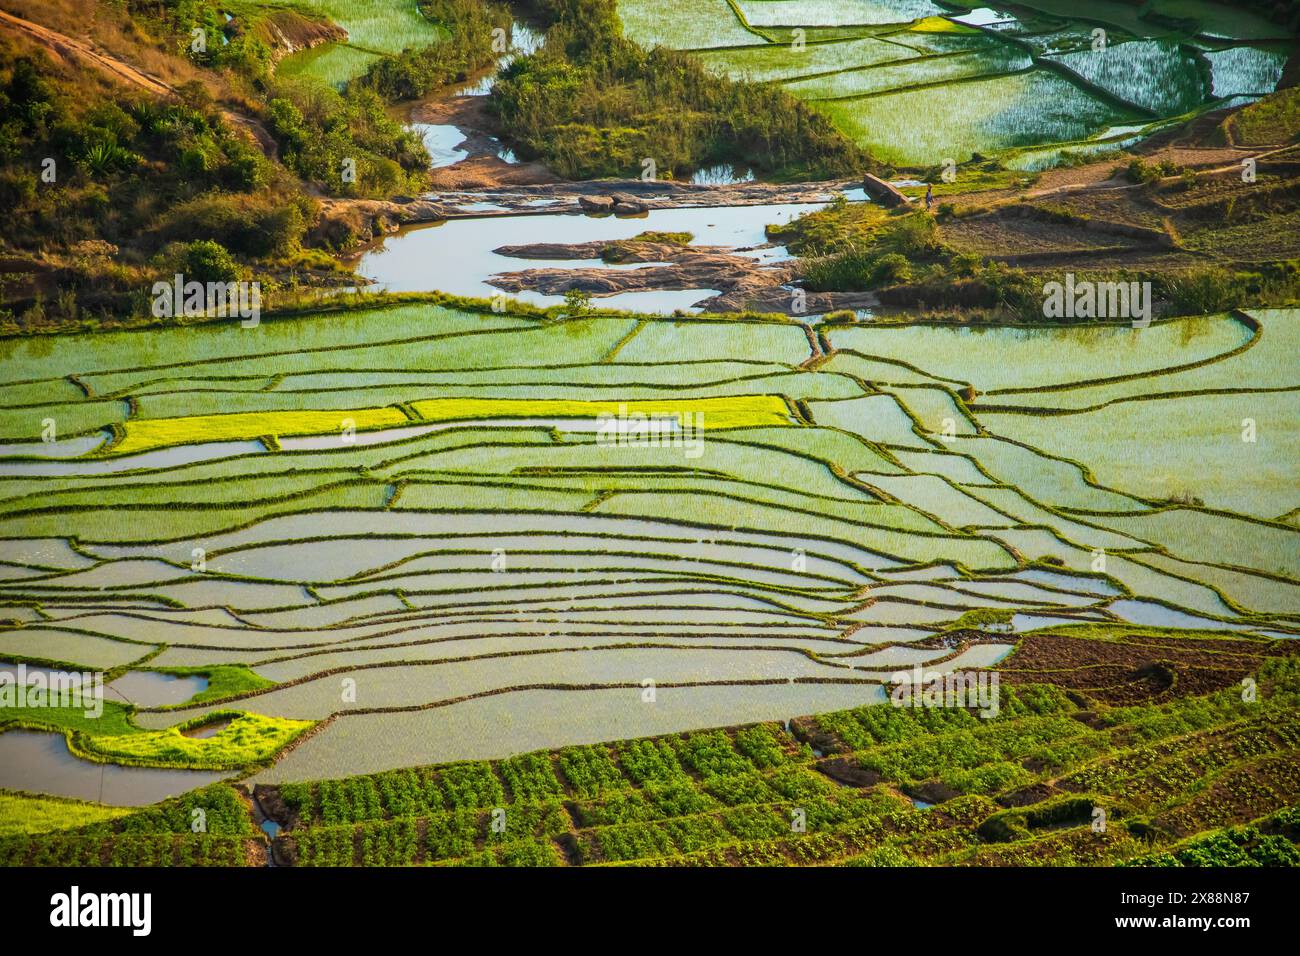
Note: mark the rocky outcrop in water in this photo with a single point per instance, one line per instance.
(742, 282)
(344, 223)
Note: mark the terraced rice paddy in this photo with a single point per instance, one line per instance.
(374, 27)
(474, 567)
(875, 786)
(996, 81)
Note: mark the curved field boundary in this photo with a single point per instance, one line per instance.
(1149, 396)
(147, 434)
(744, 22)
(868, 66)
(913, 87)
(551, 685)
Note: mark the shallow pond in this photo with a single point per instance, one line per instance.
(203, 731)
(457, 256)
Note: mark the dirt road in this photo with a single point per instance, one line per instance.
(68, 48)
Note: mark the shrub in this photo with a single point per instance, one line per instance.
(1202, 291)
(577, 302)
(207, 261)
(416, 72)
(247, 225)
(891, 269)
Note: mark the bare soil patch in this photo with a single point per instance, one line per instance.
(1135, 668)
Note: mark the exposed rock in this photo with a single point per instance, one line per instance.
(596, 203)
(696, 270)
(625, 205)
(344, 223)
(743, 283)
(886, 194)
(622, 250)
(688, 267)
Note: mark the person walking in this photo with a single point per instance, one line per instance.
(929, 196)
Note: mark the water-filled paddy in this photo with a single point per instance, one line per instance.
(883, 63)
(518, 552)
(42, 763)
(532, 720)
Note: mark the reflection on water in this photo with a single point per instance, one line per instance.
(151, 689)
(523, 41)
(1153, 614)
(723, 174)
(984, 17)
(170, 457)
(63, 448)
(457, 256)
(42, 763)
(442, 141)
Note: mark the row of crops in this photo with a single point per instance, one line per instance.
(919, 83)
(208, 827)
(1207, 780)
(484, 568)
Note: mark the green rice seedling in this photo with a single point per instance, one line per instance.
(529, 777)
(1245, 70)
(901, 75)
(683, 24)
(591, 771)
(977, 116)
(1156, 75)
(831, 13)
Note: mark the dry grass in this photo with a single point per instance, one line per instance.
(110, 30)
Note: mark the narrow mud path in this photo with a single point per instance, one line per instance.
(67, 48)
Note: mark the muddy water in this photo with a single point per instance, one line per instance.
(150, 689)
(458, 257)
(1151, 614)
(42, 763)
(207, 730)
(162, 458)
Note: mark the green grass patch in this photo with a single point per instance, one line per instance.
(24, 813)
